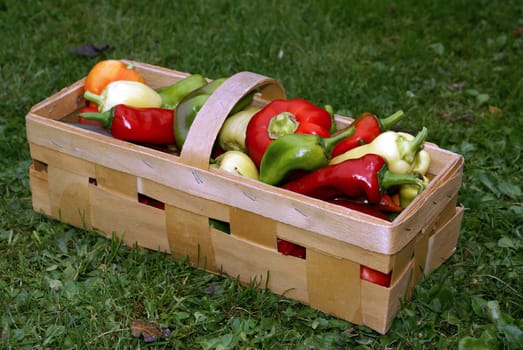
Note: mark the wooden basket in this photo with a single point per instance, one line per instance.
(90, 180)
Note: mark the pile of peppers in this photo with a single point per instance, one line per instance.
(293, 144)
(364, 166)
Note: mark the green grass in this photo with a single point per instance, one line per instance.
(455, 67)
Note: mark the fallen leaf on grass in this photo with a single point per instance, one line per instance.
(89, 50)
(518, 31)
(214, 288)
(457, 86)
(148, 330)
(495, 110)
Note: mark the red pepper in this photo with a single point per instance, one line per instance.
(289, 248)
(366, 128)
(375, 276)
(387, 203)
(361, 207)
(282, 117)
(141, 125)
(366, 176)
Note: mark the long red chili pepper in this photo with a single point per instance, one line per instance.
(141, 125)
(366, 176)
(282, 117)
(366, 128)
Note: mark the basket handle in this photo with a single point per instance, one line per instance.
(198, 145)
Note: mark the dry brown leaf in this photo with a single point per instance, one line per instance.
(495, 110)
(518, 31)
(149, 330)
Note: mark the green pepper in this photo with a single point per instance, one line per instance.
(296, 152)
(189, 107)
(408, 192)
(220, 225)
(174, 93)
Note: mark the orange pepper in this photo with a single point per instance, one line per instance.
(107, 71)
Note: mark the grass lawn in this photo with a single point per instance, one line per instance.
(454, 67)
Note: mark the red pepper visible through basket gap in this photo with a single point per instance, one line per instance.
(283, 117)
(361, 207)
(142, 125)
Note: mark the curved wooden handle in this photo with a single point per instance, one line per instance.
(198, 145)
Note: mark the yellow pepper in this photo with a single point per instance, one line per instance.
(131, 93)
(398, 149)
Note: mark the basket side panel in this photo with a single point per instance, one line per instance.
(252, 263)
(426, 243)
(63, 161)
(442, 244)
(183, 200)
(136, 223)
(39, 188)
(425, 211)
(334, 247)
(69, 197)
(334, 285)
(156, 76)
(112, 180)
(420, 256)
(401, 260)
(252, 227)
(189, 236)
(379, 304)
(62, 103)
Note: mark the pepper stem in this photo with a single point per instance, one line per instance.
(284, 123)
(330, 142)
(387, 123)
(90, 96)
(388, 179)
(330, 110)
(106, 118)
(409, 149)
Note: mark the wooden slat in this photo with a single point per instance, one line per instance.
(251, 262)
(113, 180)
(443, 243)
(156, 76)
(252, 227)
(334, 285)
(189, 236)
(183, 200)
(380, 304)
(420, 257)
(138, 223)
(39, 190)
(62, 103)
(62, 160)
(336, 248)
(69, 197)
